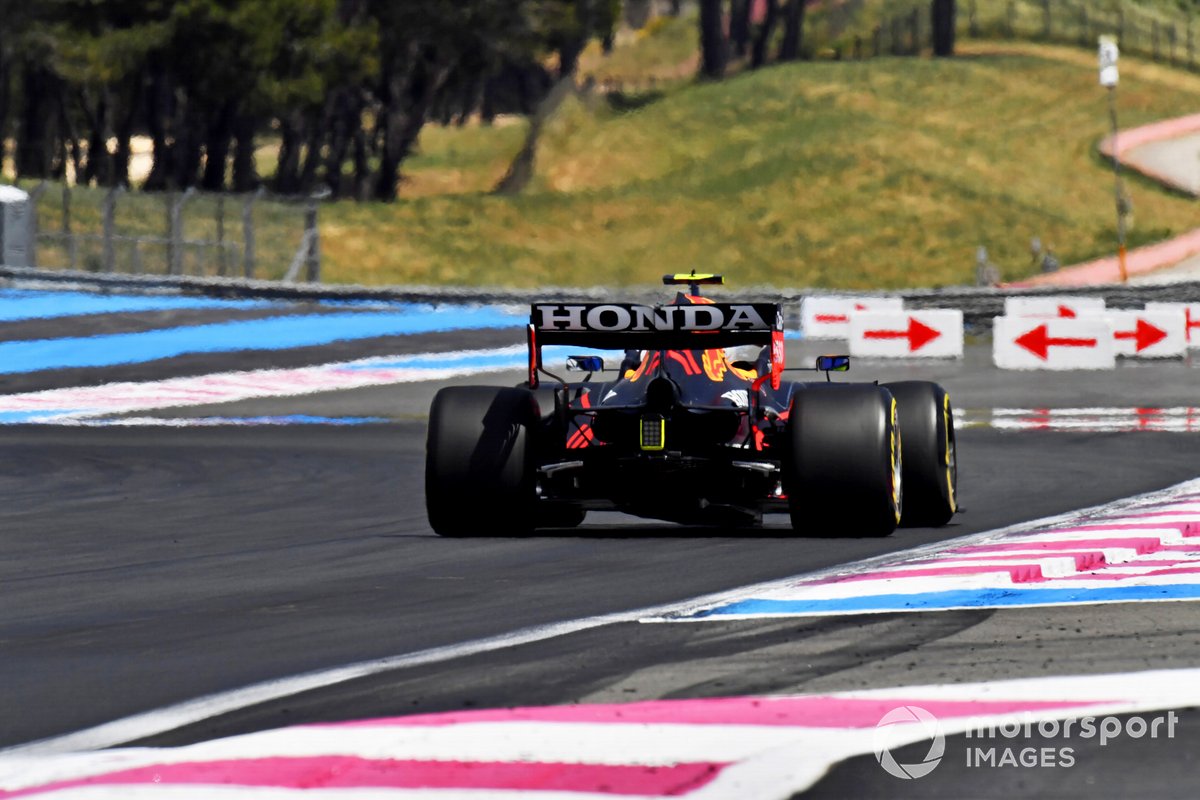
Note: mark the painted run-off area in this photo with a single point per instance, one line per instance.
(1143, 550)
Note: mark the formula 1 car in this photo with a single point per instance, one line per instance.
(685, 433)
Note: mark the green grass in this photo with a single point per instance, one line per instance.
(888, 173)
(456, 160)
(665, 49)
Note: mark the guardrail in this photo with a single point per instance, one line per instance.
(979, 305)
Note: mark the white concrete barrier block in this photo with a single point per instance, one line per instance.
(1061, 306)
(1060, 343)
(928, 333)
(1149, 334)
(15, 209)
(828, 317)
(1191, 317)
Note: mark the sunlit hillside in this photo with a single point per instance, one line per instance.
(888, 172)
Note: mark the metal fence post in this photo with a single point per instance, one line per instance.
(175, 237)
(1084, 27)
(1046, 23)
(109, 210)
(1010, 19)
(32, 223)
(973, 20)
(72, 247)
(221, 260)
(248, 233)
(1171, 44)
(1154, 37)
(313, 236)
(1191, 46)
(914, 25)
(170, 207)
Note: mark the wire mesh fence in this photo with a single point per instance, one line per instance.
(1156, 33)
(175, 233)
(1161, 34)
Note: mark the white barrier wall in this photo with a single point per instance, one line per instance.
(1062, 306)
(1148, 334)
(14, 227)
(928, 333)
(1061, 343)
(1191, 318)
(829, 317)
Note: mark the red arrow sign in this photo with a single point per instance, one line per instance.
(1191, 323)
(918, 335)
(1066, 312)
(1144, 334)
(1039, 342)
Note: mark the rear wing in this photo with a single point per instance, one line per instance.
(628, 326)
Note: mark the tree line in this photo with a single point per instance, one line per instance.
(345, 86)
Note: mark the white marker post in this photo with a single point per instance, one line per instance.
(1109, 77)
(929, 333)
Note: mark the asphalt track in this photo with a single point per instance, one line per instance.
(145, 566)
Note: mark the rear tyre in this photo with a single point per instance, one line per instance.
(561, 517)
(477, 476)
(843, 473)
(930, 458)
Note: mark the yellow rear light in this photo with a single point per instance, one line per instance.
(654, 433)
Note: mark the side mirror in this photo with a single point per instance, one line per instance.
(585, 364)
(833, 363)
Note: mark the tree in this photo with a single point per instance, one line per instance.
(762, 41)
(713, 47)
(28, 88)
(345, 83)
(739, 26)
(97, 53)
(793, 30)
(16, 15)
(943, 13)
(566, 26)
